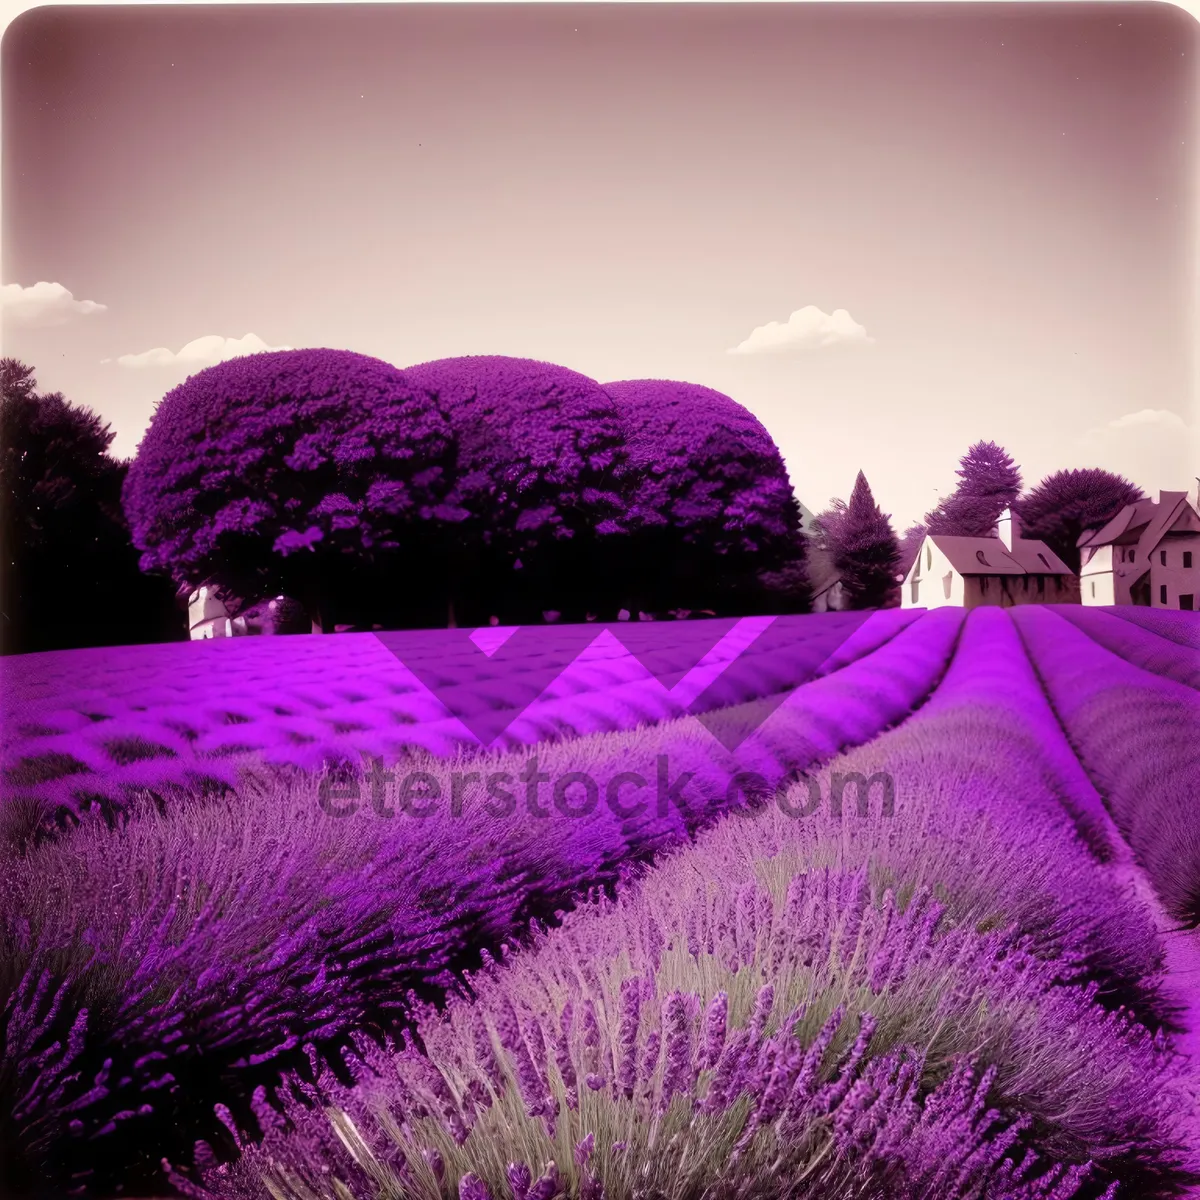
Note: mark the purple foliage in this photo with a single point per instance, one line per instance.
(864, 547)
(704, 466)
(1174, 624)
(713, 518)
(1140, 646)
(910, 545)
(229, 949)
(101, 727)
(1058, 1081)
(1066, 503)
(538, 452)
(989, 482)
(263, 471)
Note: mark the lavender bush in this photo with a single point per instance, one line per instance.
(287, 472)
(729, 1030)
(984, 825)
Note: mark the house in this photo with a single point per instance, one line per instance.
(1149, 554)
(209, 614)
(825, 580)
(1005, 569)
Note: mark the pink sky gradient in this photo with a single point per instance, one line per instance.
(1002, 199)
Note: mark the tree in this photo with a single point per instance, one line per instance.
(713, 520)
(827, 525)
(989, 482)
(70, 575)
(910, 547)
(539, 450)
(864, 547)
(1066, 503)
(320, 474)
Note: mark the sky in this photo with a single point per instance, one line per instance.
(888, 232)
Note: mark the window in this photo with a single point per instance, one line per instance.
(916, 590)
(947, 583)
(1131, 555)
(1162, 557)
(1093, 587)
(1185, 602)
(1187, 558)
(1041, 585)
(929, 558)
(1045, 560)
(979, 555)
(1162, 594)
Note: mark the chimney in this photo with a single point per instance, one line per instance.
(1008, 528)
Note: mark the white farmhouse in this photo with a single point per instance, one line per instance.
(966, 572)
(1148, 554)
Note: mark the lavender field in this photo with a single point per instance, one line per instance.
(870, 904)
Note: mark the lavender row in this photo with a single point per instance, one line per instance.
(1181, 627)
(93, 729)
(1138, 736)
(1136, 644)
(198, 953)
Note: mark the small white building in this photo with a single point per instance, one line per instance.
(209, 614)
(1005, 570)
(1148, 554)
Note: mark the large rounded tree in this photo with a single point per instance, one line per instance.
(1066, 503)
(539, 452)
(712, 515)
(323, 474)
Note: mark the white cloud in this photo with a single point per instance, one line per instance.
(43, 305)
(1154, 448)
(202, 352)
(807, 328)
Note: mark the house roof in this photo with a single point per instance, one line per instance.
(822, 574)
(1169, 511)
(988, 556)
(1143, 522)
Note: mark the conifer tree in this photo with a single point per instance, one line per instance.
(865, 549)
(989, 482)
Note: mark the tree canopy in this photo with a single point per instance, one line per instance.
(70, 574)
(1066, 503)
(989, 482)
(296, 471)
(709, 503)
(538, 452)
(865, 550)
